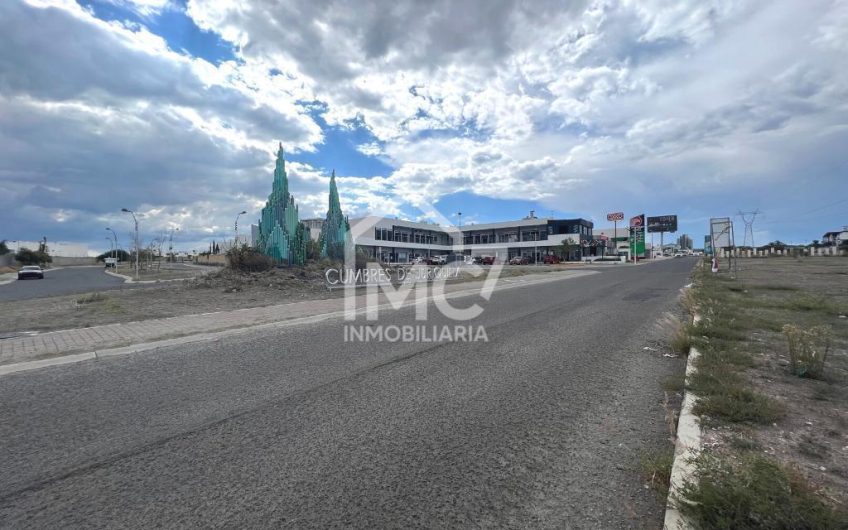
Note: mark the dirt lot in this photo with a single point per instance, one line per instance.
(220, 290)
(755, 403)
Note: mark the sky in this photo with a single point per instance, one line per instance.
(424, 108)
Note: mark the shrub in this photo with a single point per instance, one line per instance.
(808, 349)
(247, 259)
(123, 255)
(753, 493)
(26, 256)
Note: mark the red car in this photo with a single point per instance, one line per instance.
(551, 260)
(488, 260)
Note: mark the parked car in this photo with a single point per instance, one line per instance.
(519, 260)
(31, 271)
(487, 260)
(679, 254)
(438, 260)
(551, 260)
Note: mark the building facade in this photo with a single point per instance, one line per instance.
(398, 241)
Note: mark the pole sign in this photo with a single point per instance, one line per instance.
(616, 216)
(708, 246)
(637, 236)
(662, 223)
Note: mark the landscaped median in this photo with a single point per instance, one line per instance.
(771, 381)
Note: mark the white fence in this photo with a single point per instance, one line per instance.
(776, 252)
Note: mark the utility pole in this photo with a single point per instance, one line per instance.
(135, 220)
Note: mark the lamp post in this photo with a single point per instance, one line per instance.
(115, 253)
(111, 246)
(235, 242)
(135, 220)
(171, 245)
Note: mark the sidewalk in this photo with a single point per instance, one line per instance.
(148, 332)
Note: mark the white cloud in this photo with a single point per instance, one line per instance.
(583, 106)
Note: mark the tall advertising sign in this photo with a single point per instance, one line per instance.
(637, 236)
(662, 223)
(708, 246)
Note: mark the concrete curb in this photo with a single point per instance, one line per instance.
(7, 369)
(687, 446)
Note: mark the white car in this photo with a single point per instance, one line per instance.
(31, 271)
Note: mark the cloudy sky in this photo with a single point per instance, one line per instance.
(493, 108)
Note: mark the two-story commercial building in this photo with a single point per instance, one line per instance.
(399, 241)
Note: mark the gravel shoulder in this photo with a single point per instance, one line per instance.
(219, 290)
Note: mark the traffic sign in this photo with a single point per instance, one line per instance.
(616, 216)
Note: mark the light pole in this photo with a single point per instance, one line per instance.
(171, 245)
(111, 246)
(235, 243)
(114, 254)
(136, 238)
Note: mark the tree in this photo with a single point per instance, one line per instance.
(567, 247)
(123, 255)
(26, 256)
(3, 248)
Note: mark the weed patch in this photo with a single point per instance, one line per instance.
(91, 298)
(655, 466)
(754, 493)
(808, 350)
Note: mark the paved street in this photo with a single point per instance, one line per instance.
(69, 280)
(541, 426)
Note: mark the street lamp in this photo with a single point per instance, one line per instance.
(114, 254)
(235, 243)
(135, 220)
(171, 245)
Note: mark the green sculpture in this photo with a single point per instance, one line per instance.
(335, 231)
(281, 234)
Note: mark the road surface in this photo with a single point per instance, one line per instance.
(69, 280)
(541, 426)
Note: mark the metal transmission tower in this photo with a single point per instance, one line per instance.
(748, 218)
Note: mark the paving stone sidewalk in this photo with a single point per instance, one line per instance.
(64, 342)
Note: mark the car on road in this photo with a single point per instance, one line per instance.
(679, 254)
(31, 271)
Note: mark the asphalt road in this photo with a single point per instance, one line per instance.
(541, 426)
(69, 280)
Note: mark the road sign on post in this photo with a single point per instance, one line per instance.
(615, 217)
(637, 236)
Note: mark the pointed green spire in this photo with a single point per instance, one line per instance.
(281, 181)
(335, 230)
(280, 230)
(335, 205)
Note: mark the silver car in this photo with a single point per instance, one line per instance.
(31, 271)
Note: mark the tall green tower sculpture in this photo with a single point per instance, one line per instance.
(281, 234)
(335, 231)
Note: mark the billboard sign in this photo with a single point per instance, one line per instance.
(616, 216)
(637, 236)
(662, 223)
(708, 246)
(721, 232)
